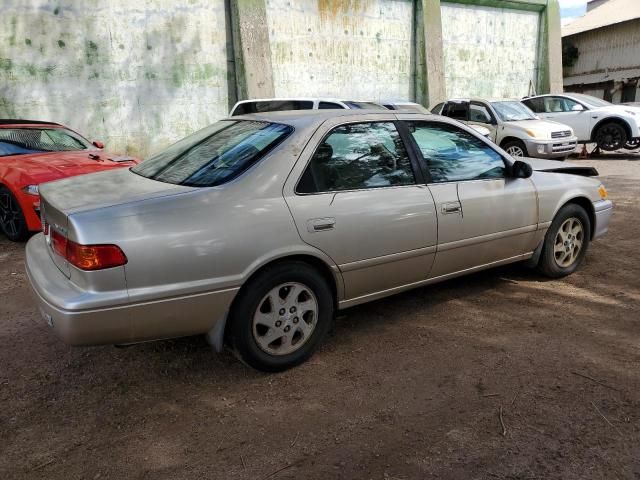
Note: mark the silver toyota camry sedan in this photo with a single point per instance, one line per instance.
(256, 229)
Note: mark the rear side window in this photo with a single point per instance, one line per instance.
(215, 154)
(272, 106)
(358, 156)
(330, 106)
(456, 110)
(535, 104)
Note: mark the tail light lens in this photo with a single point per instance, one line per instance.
(87, 257)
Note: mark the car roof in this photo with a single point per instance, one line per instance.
(13, 122)
(305, 118)
(486, 100)
(303, 99)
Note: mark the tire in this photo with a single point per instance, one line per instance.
(566, 242)
(12, 221)
(272, 331)
(632, 144)
(515, 148)
(610, 136)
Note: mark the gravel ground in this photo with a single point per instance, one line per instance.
(408, 387)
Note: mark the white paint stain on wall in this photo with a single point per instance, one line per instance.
(489, 52)
(138, 75)
(358, 49)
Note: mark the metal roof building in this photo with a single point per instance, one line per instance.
(601, 51)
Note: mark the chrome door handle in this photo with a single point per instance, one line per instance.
(321, 224)
(454, 207)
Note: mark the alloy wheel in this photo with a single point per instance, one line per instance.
(610, 137)
(568, 242)
(10, 214)
(285, 318)
(515, 151)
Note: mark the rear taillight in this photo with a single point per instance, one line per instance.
(87, 257)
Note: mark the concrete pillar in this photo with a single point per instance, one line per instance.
(554, 48)
(252, 52)
(430, 83)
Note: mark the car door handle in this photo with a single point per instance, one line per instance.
(321, 224)
(453, 207)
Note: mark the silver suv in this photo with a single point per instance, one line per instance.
(513, 126)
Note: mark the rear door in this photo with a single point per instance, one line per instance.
(484, 216)
(357, 195)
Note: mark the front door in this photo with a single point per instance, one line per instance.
(484, 216)
(354, 194)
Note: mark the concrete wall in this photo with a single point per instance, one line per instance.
(488, 51)
(358, 49)
(140, 75)
(137, 75)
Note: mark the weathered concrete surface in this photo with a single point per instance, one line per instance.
(488, 51)
(138, 75)
(352, 48)
(252, 49)
(430, 79)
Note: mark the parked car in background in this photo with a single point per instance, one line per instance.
(416, 107)
(256, 229)
(513, 126)
(594, 120)
(33, 152)
(283, 104)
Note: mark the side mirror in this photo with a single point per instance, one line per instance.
(521, 169)
(577, 108)
(98, 144)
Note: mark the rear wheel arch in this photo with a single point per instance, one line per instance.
(335, 284)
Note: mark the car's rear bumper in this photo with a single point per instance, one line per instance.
(61, 305)
(603, 212)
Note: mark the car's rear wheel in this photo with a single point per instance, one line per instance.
(566, 242)
(632, 144)
(12, 221)
(611, 136)
(281, 316)
(515, 148)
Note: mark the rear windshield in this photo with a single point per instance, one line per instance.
(272, 106)
(22, 141)
(214, 155)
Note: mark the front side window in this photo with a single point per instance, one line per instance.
(437, 110)
(358, 156)
(479, 113)
(21, 141)
(558, 104)
(453, 155)
(272, 106)
(214, 155)
(364, 105)
(329, 106)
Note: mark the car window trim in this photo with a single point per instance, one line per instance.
(333, 192)
(507, 164)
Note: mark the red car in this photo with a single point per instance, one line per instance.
(34, 152)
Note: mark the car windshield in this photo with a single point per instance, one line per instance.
(215, 154)
(25, 140)
(513, 111)
(590, 101)
(364, 105)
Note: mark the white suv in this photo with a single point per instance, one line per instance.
(595, 120)
(513, 126)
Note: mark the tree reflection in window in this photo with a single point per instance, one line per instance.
(453, 155)
(358, 156)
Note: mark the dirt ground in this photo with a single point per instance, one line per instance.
(408, 387)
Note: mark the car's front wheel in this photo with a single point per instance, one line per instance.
(611, 136)
(566, 242)
(281, 316)
(12, 221)
(515, 148)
